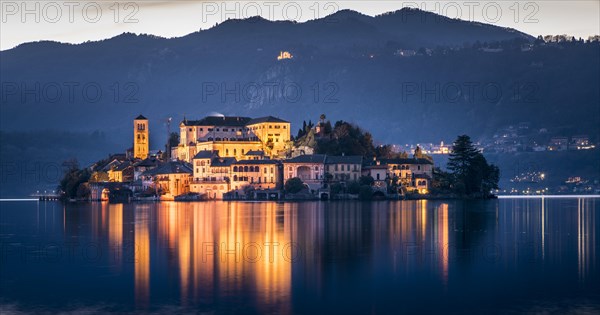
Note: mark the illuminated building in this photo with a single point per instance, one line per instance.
(284, 55)
(232, 136)
(141, 137)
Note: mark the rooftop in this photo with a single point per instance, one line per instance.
(344, 159)
(266, 119)
(229, 121)
(255, 153)
(222, 161)
(256, 162)
(171, 167)
(407, 161)
(310, 158)
(141, 117)
(204, 154)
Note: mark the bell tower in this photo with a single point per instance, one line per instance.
(141, 139)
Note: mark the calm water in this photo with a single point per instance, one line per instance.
(501, 256)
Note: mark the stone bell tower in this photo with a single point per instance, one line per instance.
(141, 139)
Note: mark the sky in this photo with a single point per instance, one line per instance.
(79, 21)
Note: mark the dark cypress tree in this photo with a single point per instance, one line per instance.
(471, 173)
(462, 155)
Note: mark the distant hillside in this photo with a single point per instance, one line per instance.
(165, 77)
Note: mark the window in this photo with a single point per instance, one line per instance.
(377, 176)
(201, 129)
(245, 168)
(265, 170)
(235, 169)
(316, 168)
(225, 129)
(190, 129)
(419, 167)
(217, 129)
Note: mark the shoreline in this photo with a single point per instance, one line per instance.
(317, 199)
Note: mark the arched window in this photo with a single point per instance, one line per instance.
(234, 177)
(234, 152)
(245, 168)
(226, 151)
(235, 170)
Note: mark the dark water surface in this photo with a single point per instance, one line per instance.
(480, 257)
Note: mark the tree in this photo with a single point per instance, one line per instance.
(462, 155)
(336, 188)
(173, 140)
(353, 187)
(294, 185)
(366, 180)
(72, 179)
(470, 171)
(366, 193)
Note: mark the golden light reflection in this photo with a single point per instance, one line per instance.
(142, 258)
(115, 231)
(248, 242)
(443, 239)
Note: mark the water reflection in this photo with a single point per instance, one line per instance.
(336, 257)
(142, 257)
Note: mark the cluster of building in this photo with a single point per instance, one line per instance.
(522, 138)
(220, 157)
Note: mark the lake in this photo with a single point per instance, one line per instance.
(481, 257)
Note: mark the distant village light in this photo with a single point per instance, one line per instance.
(284, 55)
